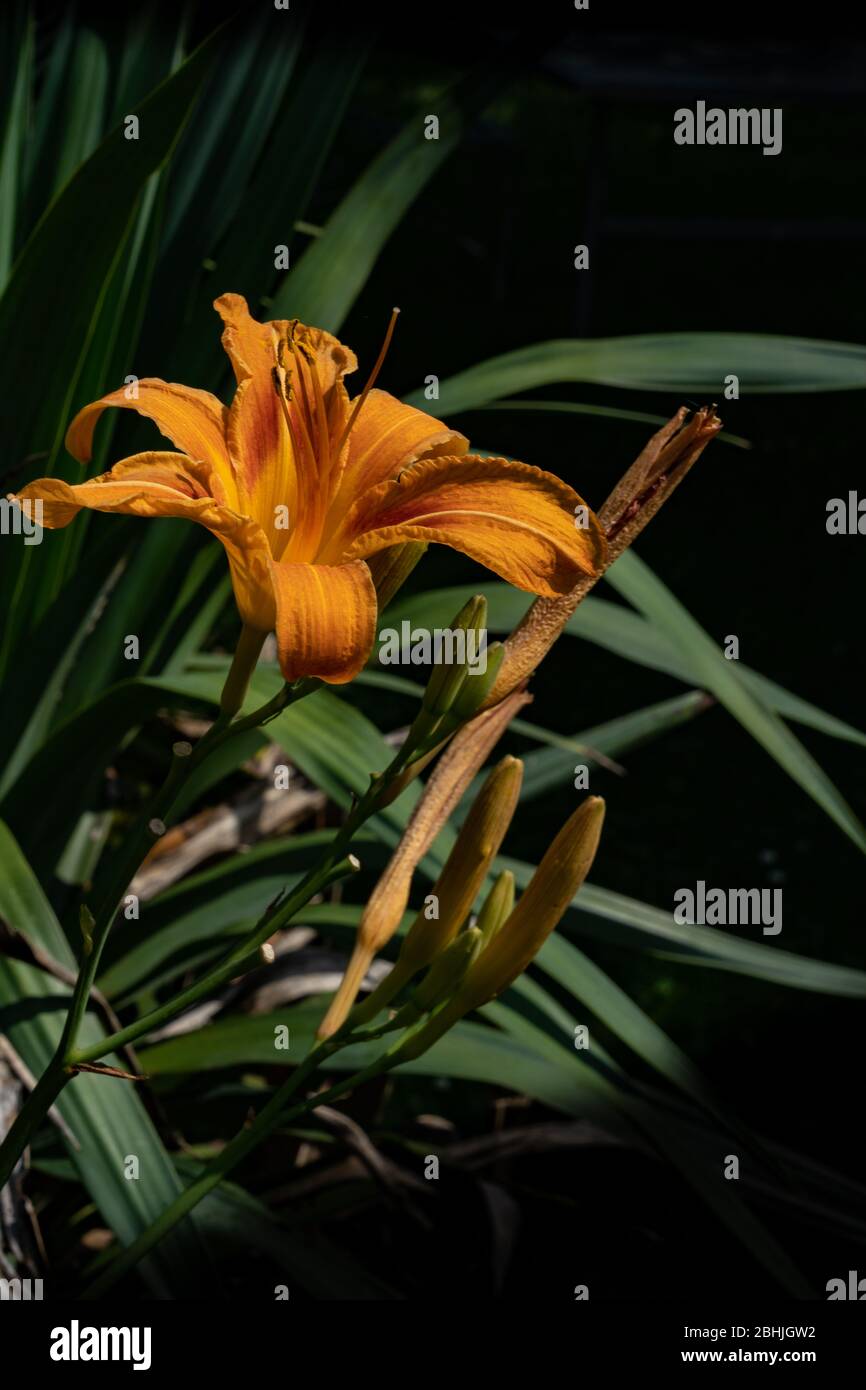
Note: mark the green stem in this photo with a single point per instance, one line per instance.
(239, 959)
(288, 695)
(243, 664)
(30, 1116)
(229, 1157)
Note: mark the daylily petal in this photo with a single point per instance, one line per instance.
(386, 438)
(193, 420)
(169, 485)
(516, 520)
(326, 619)
(270, 472)
(259, 442)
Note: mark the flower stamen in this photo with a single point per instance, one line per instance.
(371, 381)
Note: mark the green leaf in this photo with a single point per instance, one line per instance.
(69, 112)
(596, 991)
(654, 929)
(152, 48)
(17, 34)
(224, 139)
(162, 578)
(693, 944)
(72, 762)
(32, 693)
(83, 228)
(194, 614)
(227, 1042)
(547, 767)
(603, 412)
(278, 193)
(205, 905)
(106, 1116)
(676, 363)
(325, 283)
(637, 583)
(469, 1051)
(627, 634)
(39, 305)
(86, 86)
(705, 945)
(41, 150)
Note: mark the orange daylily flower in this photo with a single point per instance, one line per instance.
(302, 485)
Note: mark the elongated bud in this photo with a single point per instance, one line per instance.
(431, 731)
(643, 489)
(457, 886)
(472, 694)
(447, 681)
(552, 887)
(391, 568)
(387, 903)
(442, 978)
(475, 688)
(497, 907)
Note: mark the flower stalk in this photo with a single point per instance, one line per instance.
(246, 655)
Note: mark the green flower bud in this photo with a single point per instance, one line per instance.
(441, 979)
(472, 693)
(475, 688)
(497, 906)
(391, 568)
(447, 681)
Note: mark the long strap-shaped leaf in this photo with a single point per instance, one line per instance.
(106, 1116)
(327, 280)
(637, 583)
(51, 317)
(682, 363)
